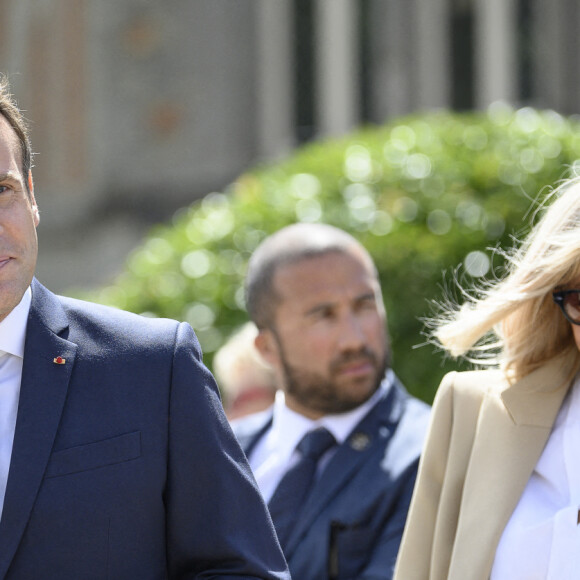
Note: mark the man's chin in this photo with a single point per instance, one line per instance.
(358, 394)
(358, 388)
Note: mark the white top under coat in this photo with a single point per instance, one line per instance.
(542, 538)
(12, 337)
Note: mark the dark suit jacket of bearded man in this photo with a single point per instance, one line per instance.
(123, 465)
(353, 519)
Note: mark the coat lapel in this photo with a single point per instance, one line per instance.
(42, 395)
(514, 426)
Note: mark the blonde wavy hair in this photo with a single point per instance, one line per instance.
(514, 324)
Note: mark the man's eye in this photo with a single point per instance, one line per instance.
(322, 314)
(4, 189)
(368, 304)
(6, 196)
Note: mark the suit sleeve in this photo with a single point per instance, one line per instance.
(217, 523)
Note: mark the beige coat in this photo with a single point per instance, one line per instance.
(484, 441)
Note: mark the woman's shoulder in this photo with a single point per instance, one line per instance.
(475, 382)
(469, 388)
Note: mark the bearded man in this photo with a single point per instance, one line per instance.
(336, 456)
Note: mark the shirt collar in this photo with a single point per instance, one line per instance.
(13, 327)
(288, 427)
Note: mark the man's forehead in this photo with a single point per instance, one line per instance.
(327, 275)
(352, 254)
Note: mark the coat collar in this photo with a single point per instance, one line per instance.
(511, 433)
(43, 392)
(536, 399)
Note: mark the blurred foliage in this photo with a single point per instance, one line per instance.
(430, 196)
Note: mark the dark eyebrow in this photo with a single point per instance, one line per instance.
(366, 296)
(325, 305)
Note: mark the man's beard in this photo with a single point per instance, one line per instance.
(320, 393)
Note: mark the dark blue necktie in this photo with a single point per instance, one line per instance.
(293, 488)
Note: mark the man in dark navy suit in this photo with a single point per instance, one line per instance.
(336, 456)
(116, 461)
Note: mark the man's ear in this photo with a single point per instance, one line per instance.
(267, 346)
(35, 211)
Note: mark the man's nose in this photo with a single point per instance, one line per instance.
(352, 335)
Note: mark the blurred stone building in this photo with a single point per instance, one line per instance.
(138, 107)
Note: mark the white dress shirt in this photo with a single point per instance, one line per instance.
(542, 538)
(12, 335)
(276, 452)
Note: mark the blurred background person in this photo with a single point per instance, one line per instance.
(247, 382)
(337, 455)
(498, 490)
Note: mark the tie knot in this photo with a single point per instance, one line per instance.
(315, 443)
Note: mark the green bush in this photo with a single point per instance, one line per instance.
(430, 196)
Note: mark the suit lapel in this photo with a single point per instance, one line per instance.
(42, 395)
(364, 442)
(514, 427)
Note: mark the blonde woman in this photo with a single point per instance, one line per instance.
(498, 490)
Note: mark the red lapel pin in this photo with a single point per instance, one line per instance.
(59, 360)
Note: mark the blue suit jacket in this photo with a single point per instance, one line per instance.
(123, 465)
(352, 522)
